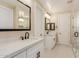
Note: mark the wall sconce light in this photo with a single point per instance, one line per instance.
(47, 16)
(21, 13)
(21, 19)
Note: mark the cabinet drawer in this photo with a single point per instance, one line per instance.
(21, 55)
(35, 48)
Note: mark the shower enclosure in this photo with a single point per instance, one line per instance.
(75, 33)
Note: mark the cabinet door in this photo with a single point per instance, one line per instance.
(35, 50)
(49, 42)
(21, 55)
(32, 51)
(33, 55)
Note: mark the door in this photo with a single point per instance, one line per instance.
(75, 32)
(64, 28)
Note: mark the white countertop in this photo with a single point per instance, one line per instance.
(11, 47)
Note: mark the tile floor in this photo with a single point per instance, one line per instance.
(60, 51)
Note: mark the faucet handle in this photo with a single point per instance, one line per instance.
(22, 37)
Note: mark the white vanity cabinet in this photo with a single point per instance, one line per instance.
(35, 50)
(19, 54)
(31, 51)
(50, 41)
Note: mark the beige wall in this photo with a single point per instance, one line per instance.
(12, 34)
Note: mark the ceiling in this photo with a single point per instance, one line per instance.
(54, 6)
(60, 5)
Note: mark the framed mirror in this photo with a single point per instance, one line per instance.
(14, 16)
(49, 25)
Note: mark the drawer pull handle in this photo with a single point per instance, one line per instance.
(38, 54)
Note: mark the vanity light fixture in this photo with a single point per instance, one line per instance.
(21, 19)
(21, 13)
(21, 16)
(47, 16)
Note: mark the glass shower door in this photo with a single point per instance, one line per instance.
(76, 42)
(76, 34)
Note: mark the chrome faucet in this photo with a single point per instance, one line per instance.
(27, 35)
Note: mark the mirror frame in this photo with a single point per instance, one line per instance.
(50, 25)
(29, 20)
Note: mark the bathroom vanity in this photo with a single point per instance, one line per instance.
(30, 48)
(50, 41)
(15, 15)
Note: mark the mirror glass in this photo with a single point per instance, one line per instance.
(14, 14)
(52, 26)
(49, 25)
